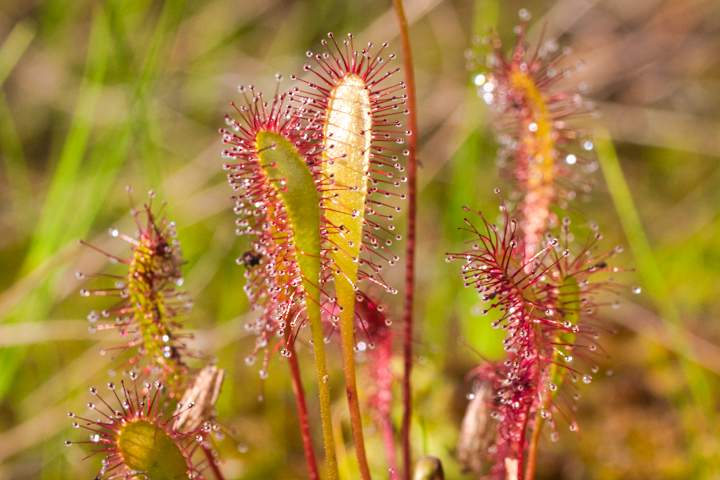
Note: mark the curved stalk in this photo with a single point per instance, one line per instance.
(411, 235)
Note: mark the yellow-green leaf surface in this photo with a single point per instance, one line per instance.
(147, 448)
(347, 134)
(569, 304)
(281, 161)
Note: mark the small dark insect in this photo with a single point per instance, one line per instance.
(601, 265)
(251, 259)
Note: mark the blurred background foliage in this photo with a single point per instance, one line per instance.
(96, 95)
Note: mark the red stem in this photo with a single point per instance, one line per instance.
(411, 234)
(532, 448)
(213, 463)
(302, 413)
(521, 452)
(386, 430)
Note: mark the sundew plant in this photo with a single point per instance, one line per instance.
(413, 254)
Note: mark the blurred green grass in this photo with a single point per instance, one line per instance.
(98, 95)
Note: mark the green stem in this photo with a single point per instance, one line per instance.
(318, 337)
(346, 297)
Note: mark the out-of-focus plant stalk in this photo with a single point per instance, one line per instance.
(212, 463)
(411, 235)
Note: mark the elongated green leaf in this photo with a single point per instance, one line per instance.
(281, 160)
(296, 186)
(347, 137)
